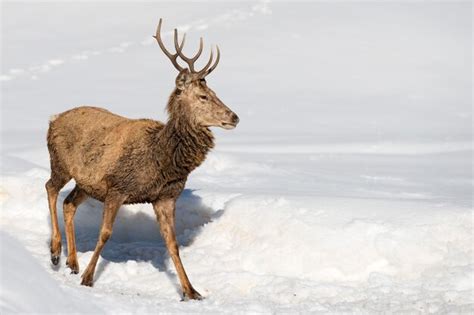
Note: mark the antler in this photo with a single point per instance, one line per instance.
(215, 64)
(172, 57)
(190, 61)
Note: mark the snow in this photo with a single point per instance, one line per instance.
(44, 295)
(346, 188)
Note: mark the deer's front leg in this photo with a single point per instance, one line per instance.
(112, 204)
(165, 210)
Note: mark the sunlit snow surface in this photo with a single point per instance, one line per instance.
(346, 188)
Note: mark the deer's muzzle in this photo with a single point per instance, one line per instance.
(232, 123)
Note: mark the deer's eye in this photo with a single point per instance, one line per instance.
(203, 97)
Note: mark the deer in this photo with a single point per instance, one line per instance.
(117, 160)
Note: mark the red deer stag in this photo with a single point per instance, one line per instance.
(120, 161)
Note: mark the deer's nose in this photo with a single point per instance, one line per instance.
(235, 119)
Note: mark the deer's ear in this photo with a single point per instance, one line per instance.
(183, 79)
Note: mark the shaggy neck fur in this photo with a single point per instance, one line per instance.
(187, 143)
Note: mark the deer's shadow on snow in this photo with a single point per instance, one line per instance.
(136, 234)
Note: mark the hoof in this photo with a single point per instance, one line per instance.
(73, 265)
(86, 280)
(55, 259)
(55, 250)
(193, 295)
(87, 283)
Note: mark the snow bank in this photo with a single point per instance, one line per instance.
(327, 240)
(27, 288)
(340, 246)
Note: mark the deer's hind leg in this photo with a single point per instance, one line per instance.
(53, 186)
(72, 201)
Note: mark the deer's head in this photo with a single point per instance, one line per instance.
(196, 100)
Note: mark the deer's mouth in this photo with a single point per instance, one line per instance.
(231, 123)
(228, 126)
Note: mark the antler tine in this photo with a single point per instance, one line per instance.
(217, 61)
(176, 46)
(189, 61)
(172, 57)
(203, 73)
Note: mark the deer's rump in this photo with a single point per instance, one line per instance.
(86, 143)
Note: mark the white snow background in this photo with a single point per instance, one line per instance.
(346, 188)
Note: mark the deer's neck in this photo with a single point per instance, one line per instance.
(181, 145)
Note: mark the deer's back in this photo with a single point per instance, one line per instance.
(88, 142)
